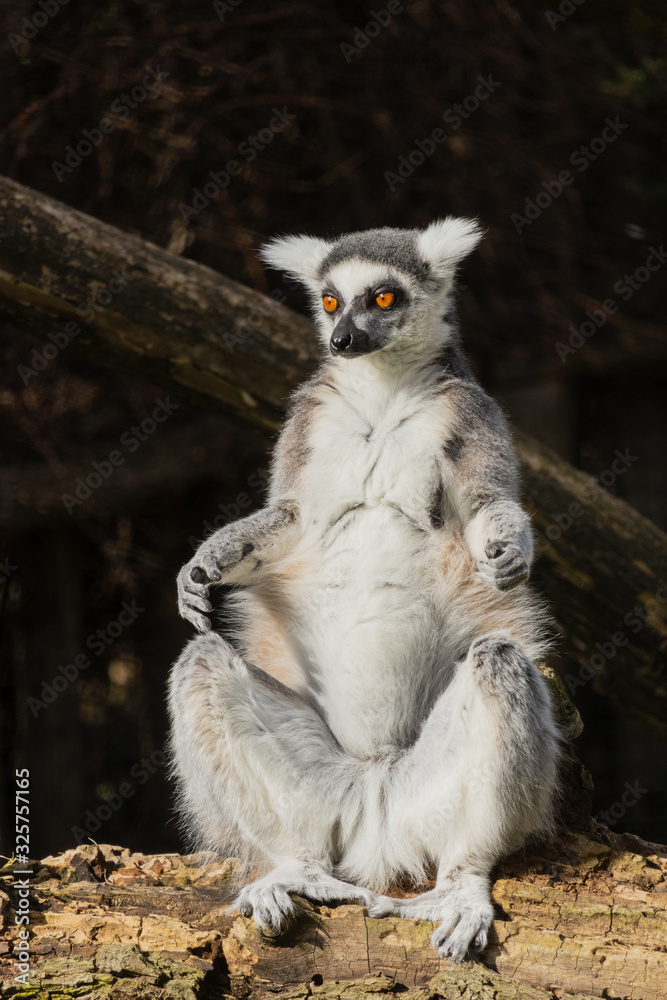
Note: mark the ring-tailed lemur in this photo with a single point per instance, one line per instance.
(380, 712)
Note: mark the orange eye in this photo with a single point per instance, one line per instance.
(385, 299)
(330, 303)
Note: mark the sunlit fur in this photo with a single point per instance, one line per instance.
(379, 712)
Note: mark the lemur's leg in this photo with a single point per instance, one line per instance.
(235, 554)
(479, 779)
(255, 763)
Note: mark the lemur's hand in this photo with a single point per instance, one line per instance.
(206, 568)
(505, 565)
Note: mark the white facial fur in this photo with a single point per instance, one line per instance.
(414, 330)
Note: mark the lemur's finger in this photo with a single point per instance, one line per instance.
(510, 584)
(200, 622)
(205, 570)
(507, 580)
(504, 577)
(495, 549)
(195, 601)
(508, 557)
(187, 583)
(518, 566)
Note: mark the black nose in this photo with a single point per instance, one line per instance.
(341, 341)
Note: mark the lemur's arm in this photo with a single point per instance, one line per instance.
(232, 555)
(497, 529)
(237, 552)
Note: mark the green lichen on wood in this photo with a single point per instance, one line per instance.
(116, 972)
(466, 982)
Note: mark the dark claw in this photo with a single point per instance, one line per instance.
(197, 575)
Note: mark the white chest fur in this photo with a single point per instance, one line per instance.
(367, 622)
(375, 443)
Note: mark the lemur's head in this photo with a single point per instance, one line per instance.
(383, 289)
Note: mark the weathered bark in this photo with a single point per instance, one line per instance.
(178, 323)
(177, 458)
(216, 342)
(583, 917)
(606, 579)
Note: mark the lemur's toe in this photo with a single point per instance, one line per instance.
(271, 907)
(383, 906)
(463, 932)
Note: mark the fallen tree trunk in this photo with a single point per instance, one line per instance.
(30, 493)
(181, 325)
(583, 917)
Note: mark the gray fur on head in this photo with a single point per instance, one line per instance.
(433, 252)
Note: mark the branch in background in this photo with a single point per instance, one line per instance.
(33, 492)
(195, 332)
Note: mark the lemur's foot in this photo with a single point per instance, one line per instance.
(270, 904)
(505, 565)
(461, 904)
(269, 898)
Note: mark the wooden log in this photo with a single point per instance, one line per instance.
(141, 309)
(34, 492)
(583, 917)
(225, 346)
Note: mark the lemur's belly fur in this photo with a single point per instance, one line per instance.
(356, 615)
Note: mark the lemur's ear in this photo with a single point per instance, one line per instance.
(446, 242)
(299, 256)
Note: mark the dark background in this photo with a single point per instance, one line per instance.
(356, 115)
